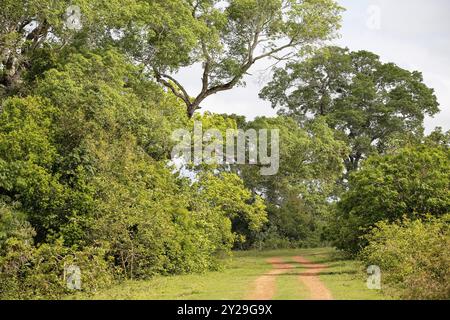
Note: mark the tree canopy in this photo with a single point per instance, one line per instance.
(369, 102)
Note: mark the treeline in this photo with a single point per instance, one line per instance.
(86, 119)
(84, 181)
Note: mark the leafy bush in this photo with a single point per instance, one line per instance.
(13, 224)
(408, 182)
(414, 257)
(29, 272)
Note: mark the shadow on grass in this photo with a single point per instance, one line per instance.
(328, 262)
(315, 274)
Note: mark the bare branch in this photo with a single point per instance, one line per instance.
(207, 67)
(272, 52)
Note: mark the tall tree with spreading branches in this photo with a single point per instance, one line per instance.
(233, 35)
(367, 101)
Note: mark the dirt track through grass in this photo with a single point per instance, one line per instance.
(265, 286)
(317, 289)
(345, 279)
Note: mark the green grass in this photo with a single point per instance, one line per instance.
(289, 287)
(344, 278)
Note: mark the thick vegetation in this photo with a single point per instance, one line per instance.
(409, 182)
(414, 256)
(88, 105)
(84, 175)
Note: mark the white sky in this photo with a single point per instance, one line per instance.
(414, 34)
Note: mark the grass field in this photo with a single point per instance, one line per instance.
(344, 278)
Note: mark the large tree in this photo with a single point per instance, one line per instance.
(369, 102)
(33, 31)
(233, 35)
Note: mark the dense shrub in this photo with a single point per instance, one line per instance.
(291, 226)
(29, 272)
(414, 257)
(84, 157)
(407, 182)
(270, 239)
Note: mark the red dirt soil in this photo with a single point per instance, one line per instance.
(265, 285)
(318, 291)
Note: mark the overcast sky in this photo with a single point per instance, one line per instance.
(414, 34)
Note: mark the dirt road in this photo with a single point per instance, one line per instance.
(265, 286)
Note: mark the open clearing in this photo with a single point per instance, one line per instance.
(297, 274)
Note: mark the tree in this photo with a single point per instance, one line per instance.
(226, 37)
(233, 35)
(34, 31)
(30, 26)
(367, 101)
(410, 182)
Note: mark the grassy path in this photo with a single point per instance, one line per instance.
(283, 273)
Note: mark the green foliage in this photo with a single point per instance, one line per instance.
(35, 29)
(28, 272)
(297, 196)
(413, 256)
(227, 193)
(85, 159)
(13, 224)
(409, 182)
